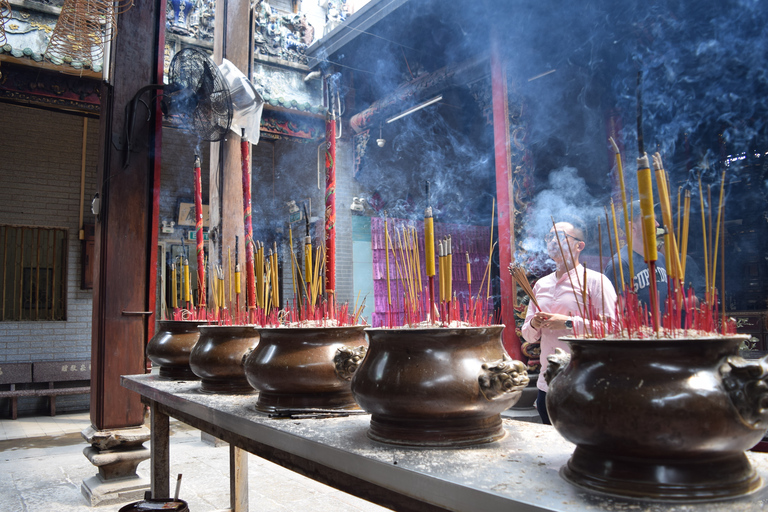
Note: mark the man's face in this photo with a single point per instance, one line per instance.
(568, 237)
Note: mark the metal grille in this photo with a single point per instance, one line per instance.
(33, 280)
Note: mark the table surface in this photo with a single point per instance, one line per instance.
(519, 472)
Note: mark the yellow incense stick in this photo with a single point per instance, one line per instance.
(490, 252)
(293, 270)
(629, 237)
(717, 232)
(684, 240)
(627, 233)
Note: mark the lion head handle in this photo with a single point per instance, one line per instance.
(347, 359)
(498, 378)
(746, 382)
(556, 363)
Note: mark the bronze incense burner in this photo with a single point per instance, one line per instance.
(171, 345)
(218, 357)
(305, 368)
(665, 419)
(437, 387)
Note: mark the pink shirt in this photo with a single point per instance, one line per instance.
(556, 296)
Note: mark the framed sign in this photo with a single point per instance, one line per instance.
(187, 215)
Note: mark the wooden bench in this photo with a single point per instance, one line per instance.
(12, 374)
(51, 373)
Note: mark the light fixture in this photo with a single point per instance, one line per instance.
(381, 140)
(415, 108)
(96, 205)
(357, 205)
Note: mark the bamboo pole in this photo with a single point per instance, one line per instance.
(5, 267)
(21, 276)
(37, 277)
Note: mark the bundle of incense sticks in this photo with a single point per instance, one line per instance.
(684, 313)
(520, 277)
(406, 292)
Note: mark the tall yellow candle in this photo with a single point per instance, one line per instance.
(449, 269)
(429, 241)
(174, 289)
(645, 192)
(187, 295)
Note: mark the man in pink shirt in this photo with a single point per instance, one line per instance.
(562, 311)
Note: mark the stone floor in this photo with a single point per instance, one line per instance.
(42, 467)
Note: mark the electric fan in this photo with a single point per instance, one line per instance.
(197, 97)
(206, 99)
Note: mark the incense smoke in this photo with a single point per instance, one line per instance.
(565, 198)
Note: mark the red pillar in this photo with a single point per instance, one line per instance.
(330, 207)
(504, 196)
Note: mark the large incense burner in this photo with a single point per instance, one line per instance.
(437, 386)
(305, 368)
(665, 419)
(170, 347)
(218, 357)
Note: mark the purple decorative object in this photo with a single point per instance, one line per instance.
(466, 238)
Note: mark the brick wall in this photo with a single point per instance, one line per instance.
(40, 157)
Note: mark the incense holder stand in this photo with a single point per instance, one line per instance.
(663, 419)
(171, 345)
(305, 368)
(219, 355)
(438, 387)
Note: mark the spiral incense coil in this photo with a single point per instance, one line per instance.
(5, 16)
(82, 29)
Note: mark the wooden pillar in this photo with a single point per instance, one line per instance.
(226, 190)
(125, 233)
(504, 198)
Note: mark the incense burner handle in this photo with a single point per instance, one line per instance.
(499, 378)
(347, 360)
(556, 363)
(746, 382)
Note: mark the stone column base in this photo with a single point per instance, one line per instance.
(117, 453)
(101, 492)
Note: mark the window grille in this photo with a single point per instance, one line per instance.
(33, 277)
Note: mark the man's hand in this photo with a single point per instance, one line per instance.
(553, 321)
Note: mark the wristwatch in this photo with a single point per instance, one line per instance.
(569, 324)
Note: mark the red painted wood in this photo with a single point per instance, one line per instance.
(503, 200)
(154, 226)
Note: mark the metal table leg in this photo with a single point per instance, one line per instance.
(159, 425)
(238, 479)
